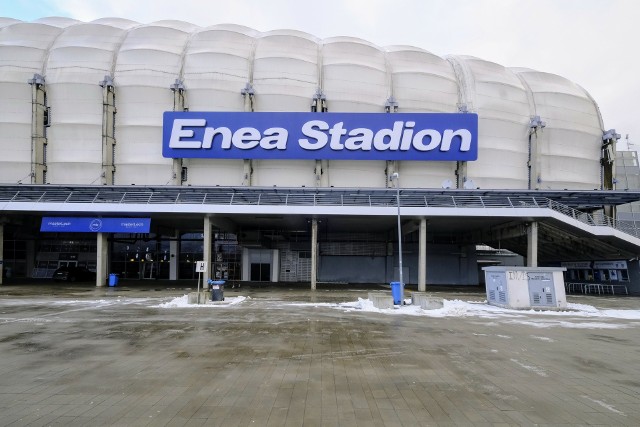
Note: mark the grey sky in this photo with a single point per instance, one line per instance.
(591, 42)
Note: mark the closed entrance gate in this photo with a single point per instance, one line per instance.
(260, 261)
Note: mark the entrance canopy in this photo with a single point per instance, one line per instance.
(572, 228)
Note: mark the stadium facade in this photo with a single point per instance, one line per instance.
(106, 124)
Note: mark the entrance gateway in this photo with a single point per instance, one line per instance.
(355, 234)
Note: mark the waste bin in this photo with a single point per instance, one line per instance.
(396, 293)
(113, 279)
(217, 290)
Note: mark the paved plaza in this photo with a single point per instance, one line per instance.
(287, 356)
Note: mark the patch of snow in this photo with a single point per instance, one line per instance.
(457, 308)
(605, 405)
(567, 324)
(547, 339)
(534, 369)
(182, 302)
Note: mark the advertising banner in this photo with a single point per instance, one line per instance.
(95, 225)
(330, 136)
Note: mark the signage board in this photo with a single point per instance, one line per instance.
(95, 225)
(201, 266)
(330, 136)
(613, 265)
(575, 265)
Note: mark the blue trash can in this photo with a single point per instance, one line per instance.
(113, 279)
(396, 293)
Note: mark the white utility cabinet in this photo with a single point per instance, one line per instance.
(526, 287)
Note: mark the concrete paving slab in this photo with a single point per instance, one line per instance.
(79, 355)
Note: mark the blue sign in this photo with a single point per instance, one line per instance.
(95, 225)
(333, 136)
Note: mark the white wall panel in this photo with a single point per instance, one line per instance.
(215, 172)
(357, 173)
(423, 82)
(500, 100)
(139, 135)
(285, 77)
(148, 62)
(285, 68)
(354, 75)
(216, 67)
(23, 49)
(355, 79)
(570, 143)
(426, 174)
(284, 173)
(285, 71)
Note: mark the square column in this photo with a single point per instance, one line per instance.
(314, 253)
(422, 257)
(102, 258)
(174, 257)
(532, 244)
(1, 251)
(206, 248)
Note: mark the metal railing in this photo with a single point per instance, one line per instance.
(303, 197)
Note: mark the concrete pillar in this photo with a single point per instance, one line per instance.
(532, 245)
(246, 265)
(31, 257)
(206, 245)
(314, 253)
(275, 265)
(422, 257)
(1, 251)
(174, 257)
(102, 259)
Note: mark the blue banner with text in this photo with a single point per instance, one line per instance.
(95, 225)
(331, 136)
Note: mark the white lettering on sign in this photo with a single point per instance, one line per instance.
(401, 137)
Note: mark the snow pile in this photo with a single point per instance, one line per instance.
(182, 301)
(458, 308)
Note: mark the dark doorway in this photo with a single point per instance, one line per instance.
(260, 272)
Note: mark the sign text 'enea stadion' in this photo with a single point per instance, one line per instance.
(338, 136)
(138, 149)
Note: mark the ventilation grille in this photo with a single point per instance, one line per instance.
(536, 298)
(502, 297)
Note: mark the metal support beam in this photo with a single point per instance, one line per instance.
(609, 141)
(40, 120)
(179, 169)
(108, 130)
(532, 244)
(247, 170)
(536, 125)
(422, 257)
(314, 253)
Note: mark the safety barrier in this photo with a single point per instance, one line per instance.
(595, 288)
